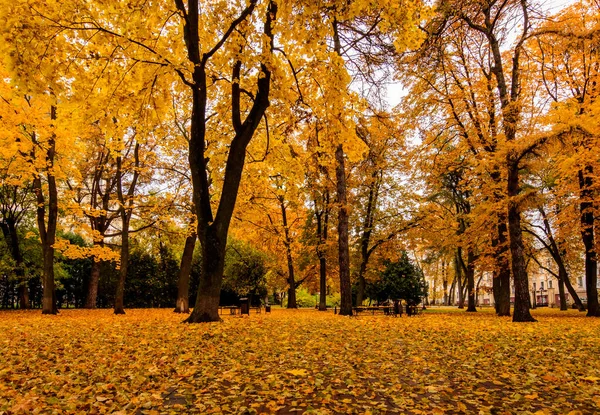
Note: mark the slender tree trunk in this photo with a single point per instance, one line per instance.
(47, 227)
(120, 295)
(587, 235)
(471, 281)
(322, 231)
(343, 248)
(452, 294)
(459, 278)
(185, 268)
(445, 282)
(288, 254)
(519, 270)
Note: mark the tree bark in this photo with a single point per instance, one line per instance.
(561, 293)
(47, 227)
(470, 274)
(185, 268)
(120, 295)
(92, 293)
(125, 210)
(322, 230)
(501, 279)
(343, 248)
(519, 271)
(213, 230)
(587, 219)
(288, 254)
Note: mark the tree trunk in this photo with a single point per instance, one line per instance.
(322, 231)
(343, 248)
(92, 293)
(288, 254)
(213, 229)
(211, 278)
(452, 293)
(561, 294)
(501, 279)
(322, 283)
(459, 278)
(471, 281)
(185, 268)
(47, 227)
(519, 271)
(120, 295)
(587, 235)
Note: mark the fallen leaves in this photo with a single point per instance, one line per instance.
(300, 361)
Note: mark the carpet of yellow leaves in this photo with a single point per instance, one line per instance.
(299, 361)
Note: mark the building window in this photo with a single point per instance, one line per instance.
(541, 285)
(549, 284)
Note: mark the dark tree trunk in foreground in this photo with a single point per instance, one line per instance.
(213, 230)
(470, 274)
(322, 230)
(288, 254)
(92, 294)
(343, 248)
(561, 294)
(501, 281)
(125, 210)
(519, 269)
(586, 207)
(185, 268)
(47, 227)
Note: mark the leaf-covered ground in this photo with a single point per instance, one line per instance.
(147, 362)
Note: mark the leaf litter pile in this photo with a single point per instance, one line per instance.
(294, 362)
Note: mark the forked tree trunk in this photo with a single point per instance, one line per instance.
(213, 229)
(183, 280)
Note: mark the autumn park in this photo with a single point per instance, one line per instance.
(299, 207)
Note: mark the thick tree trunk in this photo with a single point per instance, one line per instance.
(185, 268)
(519, 270)
(561, 294)
(209, 289)
(587, 235)
(343, 248)
(92, 293)
(501, 281)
